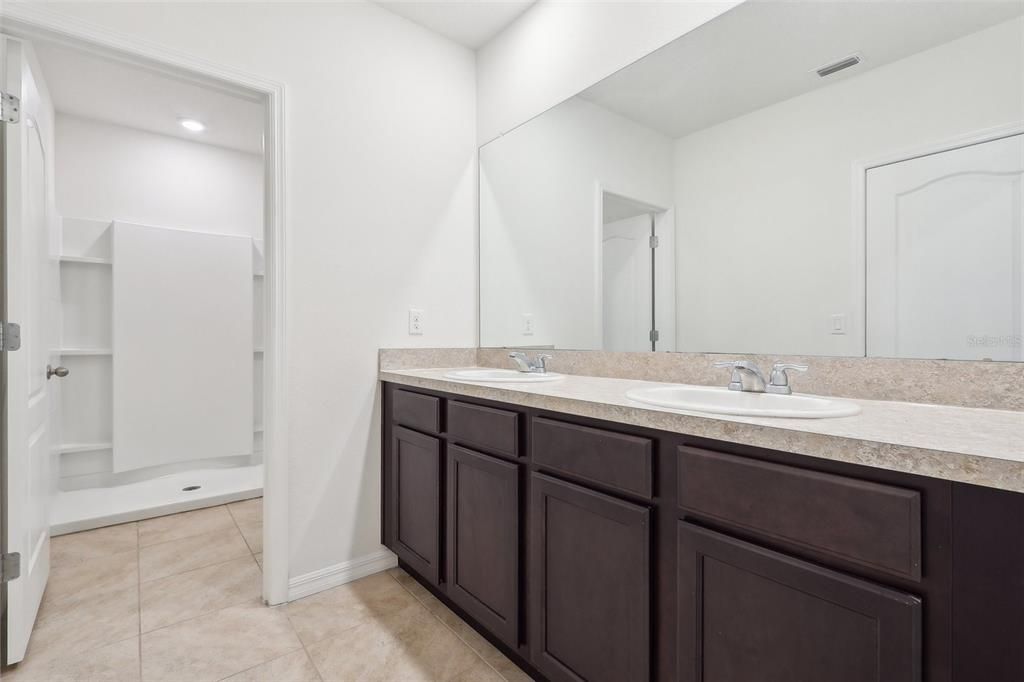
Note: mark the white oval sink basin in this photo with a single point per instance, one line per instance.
(501, 375)
(742, 404)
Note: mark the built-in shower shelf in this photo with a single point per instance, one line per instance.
(257, 350)
(86, 259)
(85, 351)
(85, 447)
(257, 429)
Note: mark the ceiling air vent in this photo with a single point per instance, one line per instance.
(836, 67)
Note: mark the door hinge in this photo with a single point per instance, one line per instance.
(654, 241)
(10, 336)
(10, 108)
(654, 335)
(10, 567)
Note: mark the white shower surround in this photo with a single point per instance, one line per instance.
(183, 345)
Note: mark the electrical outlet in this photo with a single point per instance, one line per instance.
(527, 324)
(838, 324)
(415, 322)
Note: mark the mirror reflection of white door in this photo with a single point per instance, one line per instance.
(627, 284)
(33, 300)
(945, 249)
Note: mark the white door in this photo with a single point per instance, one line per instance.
(945, 248)
(627, 286)
(33, 298)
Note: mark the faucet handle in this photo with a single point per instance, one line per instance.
(729, 364)
(745, 375)
(779, 382)
(525, 364)
(520, 360)
(736, 364)
(542, 361)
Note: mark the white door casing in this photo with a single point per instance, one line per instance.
(33, 300)
(945, 249)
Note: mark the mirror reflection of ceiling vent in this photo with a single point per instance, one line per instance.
(836, 67)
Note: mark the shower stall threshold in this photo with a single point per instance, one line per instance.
(76, 510)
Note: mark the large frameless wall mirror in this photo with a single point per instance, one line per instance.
(799, 178)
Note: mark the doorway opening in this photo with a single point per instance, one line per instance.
(142, 234)
(637, 275)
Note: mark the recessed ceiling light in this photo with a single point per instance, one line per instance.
(192, 125)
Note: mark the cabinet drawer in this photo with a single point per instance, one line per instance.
(869, 524)
(485, 427)
(612, 459)
(416, 411)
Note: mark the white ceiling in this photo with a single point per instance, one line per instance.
(96, 87)
(468, 22)
(764, 52)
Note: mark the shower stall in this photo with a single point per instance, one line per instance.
(159, 187)
(160, 403)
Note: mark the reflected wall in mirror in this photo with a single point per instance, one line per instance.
(798, 178)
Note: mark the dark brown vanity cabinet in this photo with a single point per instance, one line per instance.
(483, 540)
(590, 583)
(748, 613)
(414, 501)
(587, 550)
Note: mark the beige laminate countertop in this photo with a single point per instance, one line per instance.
(971, 445)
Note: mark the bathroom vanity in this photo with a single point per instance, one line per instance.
(591, 538)
(823, 183)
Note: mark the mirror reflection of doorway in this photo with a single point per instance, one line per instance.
(632, 233)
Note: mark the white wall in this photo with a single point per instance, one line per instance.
(767, 240)
(380, 216)
(106, 171)
(557, 49)
(540, 249)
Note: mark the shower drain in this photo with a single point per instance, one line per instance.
(190, 488)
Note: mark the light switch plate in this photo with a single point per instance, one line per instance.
(838, 324)
(527, 324)
(415, 322)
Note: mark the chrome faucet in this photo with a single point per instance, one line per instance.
(779, 382)
(745, 376)
(538, 365)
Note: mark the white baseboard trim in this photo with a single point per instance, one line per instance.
(339, 574)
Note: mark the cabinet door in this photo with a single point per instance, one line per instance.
(748, 613)
(589, 584)
(483, 540)
(415, 501)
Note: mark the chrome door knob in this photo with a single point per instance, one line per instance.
(59, 372)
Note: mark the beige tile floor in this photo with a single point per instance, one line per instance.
(178, 598)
